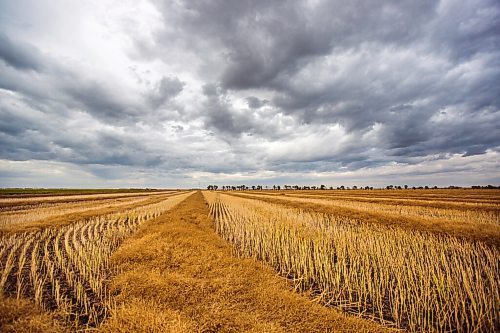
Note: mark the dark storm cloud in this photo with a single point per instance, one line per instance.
(218, 113)
(166, 89)
(255, 103)
(266, 40)
(44, 81)
(99, 101)
(28, 131)
(19, 55)
(278, 86)
(269, 45)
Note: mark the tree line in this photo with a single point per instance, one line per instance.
(324, 187)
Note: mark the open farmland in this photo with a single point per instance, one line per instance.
(185, 261)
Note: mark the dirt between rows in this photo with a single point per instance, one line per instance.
(178, 275)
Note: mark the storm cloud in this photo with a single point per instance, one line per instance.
(184, 93)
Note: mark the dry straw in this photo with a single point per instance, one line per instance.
(66, 268)
(416, 280)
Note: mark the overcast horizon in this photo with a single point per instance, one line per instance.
(183, 94)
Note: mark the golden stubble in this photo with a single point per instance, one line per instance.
(414, 279)
(66, 268)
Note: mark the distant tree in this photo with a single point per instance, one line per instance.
(323, 187)
(216, 187)
(278, 187)
(435, 187)
(342, 187)
(253, 187)
(426, 187)
(399, 187)
(354, 187)
(210, 187)
(406, 187)
(259, 187)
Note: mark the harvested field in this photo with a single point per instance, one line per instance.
(177, 275)
(64, 268)
(68, 212)
(179, 261)
(473, 223)
(417, 279)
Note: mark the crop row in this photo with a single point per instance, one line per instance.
(66, 268)
(408, 278)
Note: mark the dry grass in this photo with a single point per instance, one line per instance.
(44, 211)
(27, 199)
(66, 268)
(446, 195)
(177, 275)
(429, 210)
(24, 316)
(56, 219)
(417, 280)
(471, 224)
(419, 260)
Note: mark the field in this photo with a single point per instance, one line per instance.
(250, 261)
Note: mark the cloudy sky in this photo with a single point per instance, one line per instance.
(151, 93)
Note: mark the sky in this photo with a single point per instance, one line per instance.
(186, 93)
